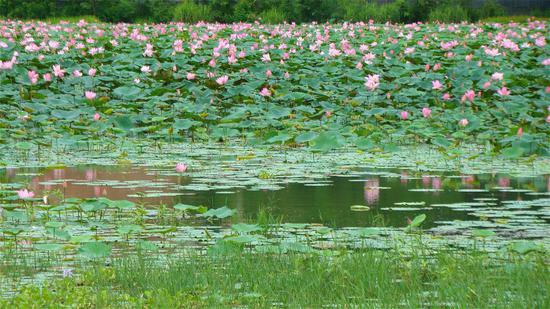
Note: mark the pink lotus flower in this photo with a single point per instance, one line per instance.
(328, 114)
(437, 66)
(426, 112)
(25, 194)
(92, 72)
(287, 75)
(504, 91)
(181, 167)
(268, 73)
(540, 41)
(373, 81)
(548, 119)
(493, 52)
(222, 80)
(497, 76)
(463, 122)
(77, 73)
(90, 95)
(191, 76)
(97, 116)
(33, 76)
(486, 85)
(47, 77)
(520, 132)
(469, 96)
(265, 92)
(57, 71)
(436, 85)
(446, 96)
(6, 65)
(146, 69)
(404, 115)
(148, 50)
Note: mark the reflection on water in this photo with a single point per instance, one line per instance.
(372, 191)
(296, 202)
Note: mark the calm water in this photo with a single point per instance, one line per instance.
(324, 201)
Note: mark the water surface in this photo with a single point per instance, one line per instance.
(394, 196)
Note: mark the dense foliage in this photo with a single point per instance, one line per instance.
(250, 10)
(332, 85)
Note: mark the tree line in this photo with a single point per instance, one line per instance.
(271, 11)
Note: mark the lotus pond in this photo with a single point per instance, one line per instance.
(133, 199)
(134, 154)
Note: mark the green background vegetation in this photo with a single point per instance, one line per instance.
(271, 11)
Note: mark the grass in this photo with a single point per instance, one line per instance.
(94, 19)
(57, 19)
(516, 19)
(369, 278)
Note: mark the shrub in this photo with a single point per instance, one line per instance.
(448, 13)
(190, 12)
(124, 10)
(160, 10)
(489, 9)
(393, 11)
(273, 16)
(364, 10)
(222, 10)
(244, 11)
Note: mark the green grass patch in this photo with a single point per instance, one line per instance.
(70, 19)
(508, 19)
(369, 278)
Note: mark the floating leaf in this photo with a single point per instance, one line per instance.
(219, 213)
(524, 247)
(483, 233)
(95, 250)
(359, 208)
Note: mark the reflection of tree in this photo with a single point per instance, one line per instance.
(58, 173)
(11, 172)
(97, 191)
(91, 174)
(371, 190)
